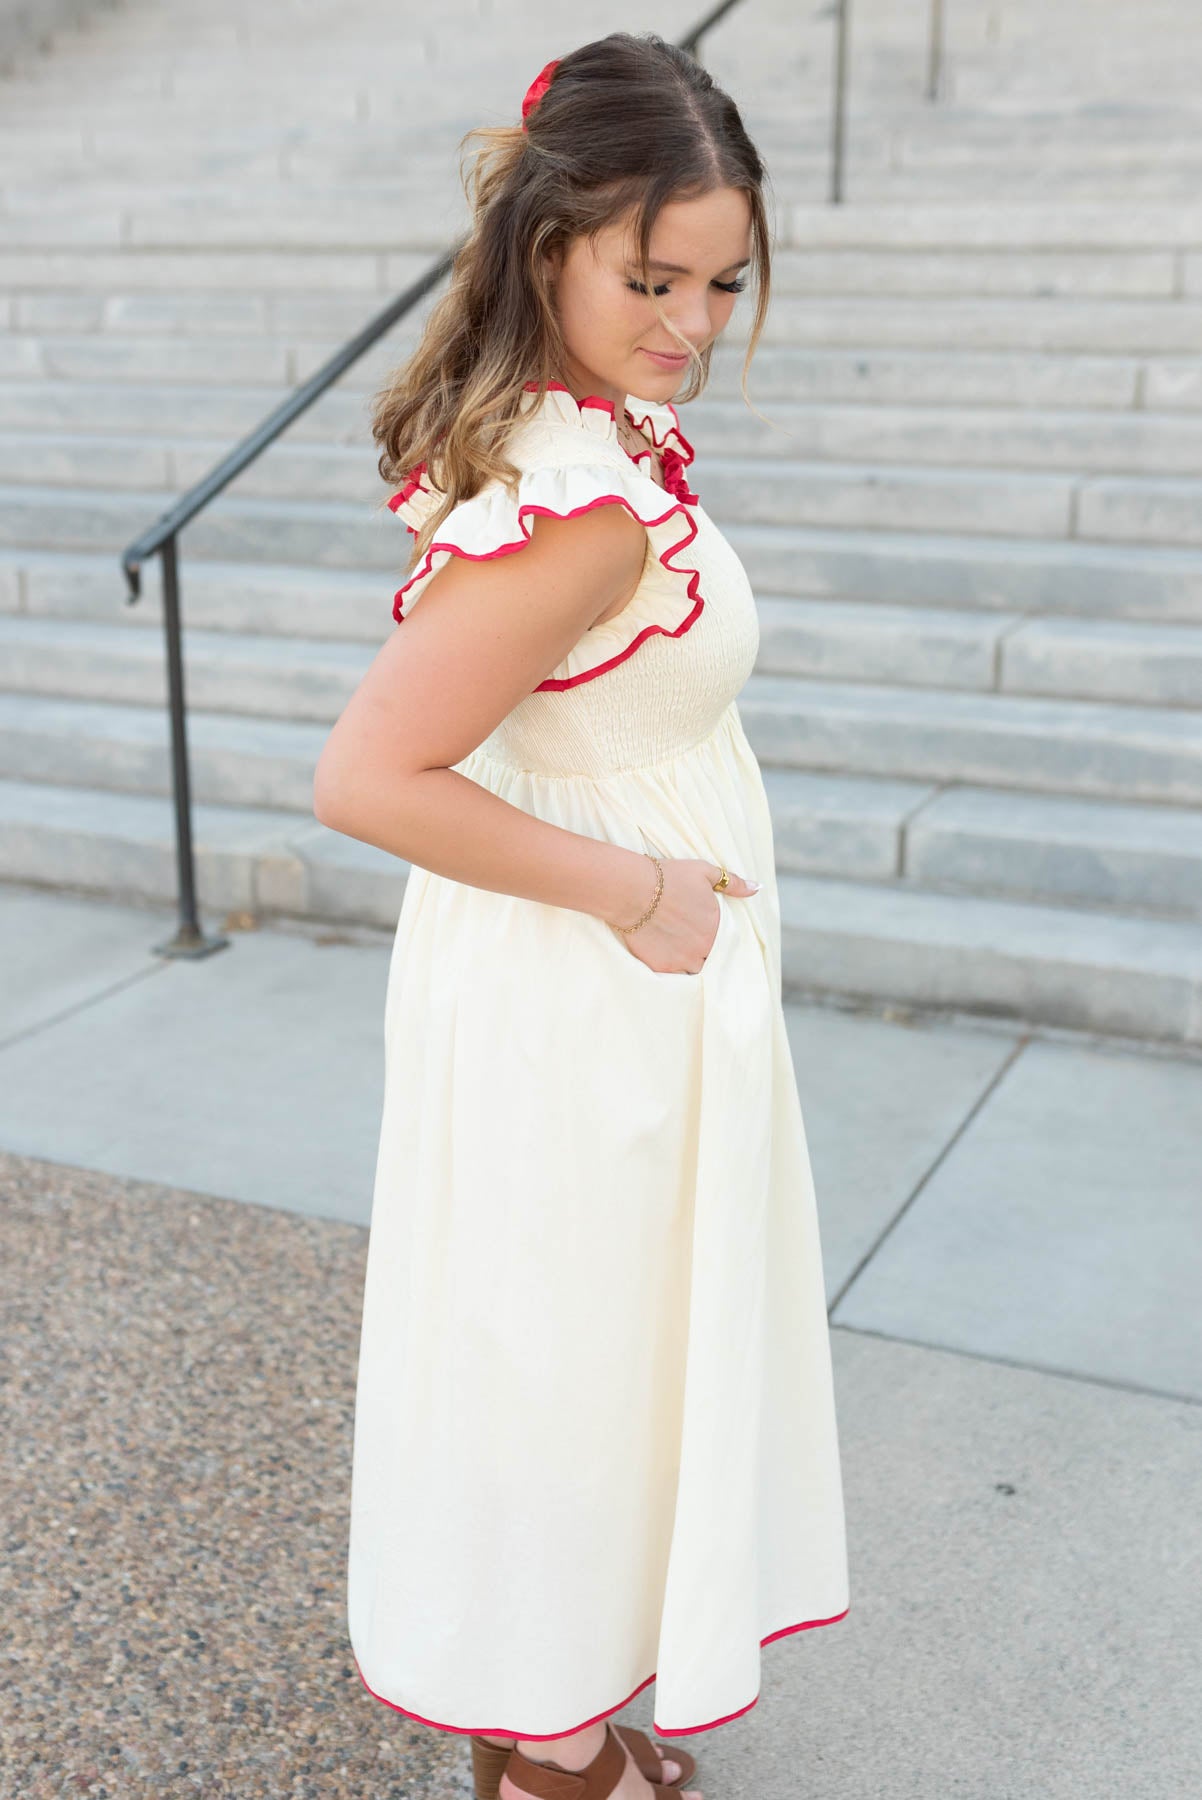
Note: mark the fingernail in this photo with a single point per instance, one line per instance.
(757, 885)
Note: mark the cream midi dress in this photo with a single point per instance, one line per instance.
(595, 1439)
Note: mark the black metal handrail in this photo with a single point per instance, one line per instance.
(189, 939)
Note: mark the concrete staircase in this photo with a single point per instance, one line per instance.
(972, 518)
(1074, 101)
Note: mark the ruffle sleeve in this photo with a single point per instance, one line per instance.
(498, 522)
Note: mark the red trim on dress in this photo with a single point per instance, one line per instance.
(566, 681)
(660, 1731)
(673, 462)
(681, 456)
(686, 449)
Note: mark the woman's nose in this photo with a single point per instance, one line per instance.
(693, 319)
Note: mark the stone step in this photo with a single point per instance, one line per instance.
(964, 838)
(315, 533)
(188, 412)
(118, 357)
(234, 760)
(1154, 182)
(937, 376)
(102, 462)
(1133, 858)
(759, 490)
(291, 220)
(89, 270)
(1081, 441)
(1080, 747)
(1059, 965)
(1124, 141)
(277, 599)
(1111, 659)
(924, 224)
(133, 308)
(755, 490)
(938, 647)
(1099, 581)
(982, 323)
(253, 859)
(264, 676)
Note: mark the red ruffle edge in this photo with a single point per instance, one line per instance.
(674, 456)
(674, 460)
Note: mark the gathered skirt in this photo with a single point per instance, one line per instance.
(595, 1439)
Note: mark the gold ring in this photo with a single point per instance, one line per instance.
(725, 880)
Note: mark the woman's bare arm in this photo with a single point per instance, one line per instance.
(482, 638)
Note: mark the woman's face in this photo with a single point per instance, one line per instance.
(609, 325)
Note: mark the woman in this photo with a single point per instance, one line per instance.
(595, 1439)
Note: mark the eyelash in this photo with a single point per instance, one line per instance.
(728, 287)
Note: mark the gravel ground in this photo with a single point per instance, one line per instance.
(178, 1394)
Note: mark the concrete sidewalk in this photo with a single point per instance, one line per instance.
(1013, 1259)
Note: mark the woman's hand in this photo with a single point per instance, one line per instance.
(678, 936)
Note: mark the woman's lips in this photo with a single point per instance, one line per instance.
(667, 362)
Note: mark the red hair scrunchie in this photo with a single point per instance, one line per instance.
(538, 88)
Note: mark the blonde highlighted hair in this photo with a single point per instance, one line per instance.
(627, 124)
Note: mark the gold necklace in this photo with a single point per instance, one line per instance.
(630, 438)
(638, 447)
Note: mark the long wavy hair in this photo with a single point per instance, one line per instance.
(627, 124)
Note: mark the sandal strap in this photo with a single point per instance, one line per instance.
(550, 1781)
(650, 1762)
(643, 1751)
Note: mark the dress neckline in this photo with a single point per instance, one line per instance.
(654, 420)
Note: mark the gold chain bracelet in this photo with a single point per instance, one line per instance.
(659, 890)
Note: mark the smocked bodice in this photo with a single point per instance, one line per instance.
(648, 684)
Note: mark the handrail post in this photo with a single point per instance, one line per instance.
(935, 50)
(839, 100)
(189, 939)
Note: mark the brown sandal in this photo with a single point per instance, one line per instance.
(490, 1761)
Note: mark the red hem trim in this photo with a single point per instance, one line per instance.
(659, 1730)
(553, 683)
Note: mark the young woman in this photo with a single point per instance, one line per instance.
(595, 1439)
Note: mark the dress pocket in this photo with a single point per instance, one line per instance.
(723, 927)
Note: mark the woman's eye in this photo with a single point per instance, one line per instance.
(727, 287)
